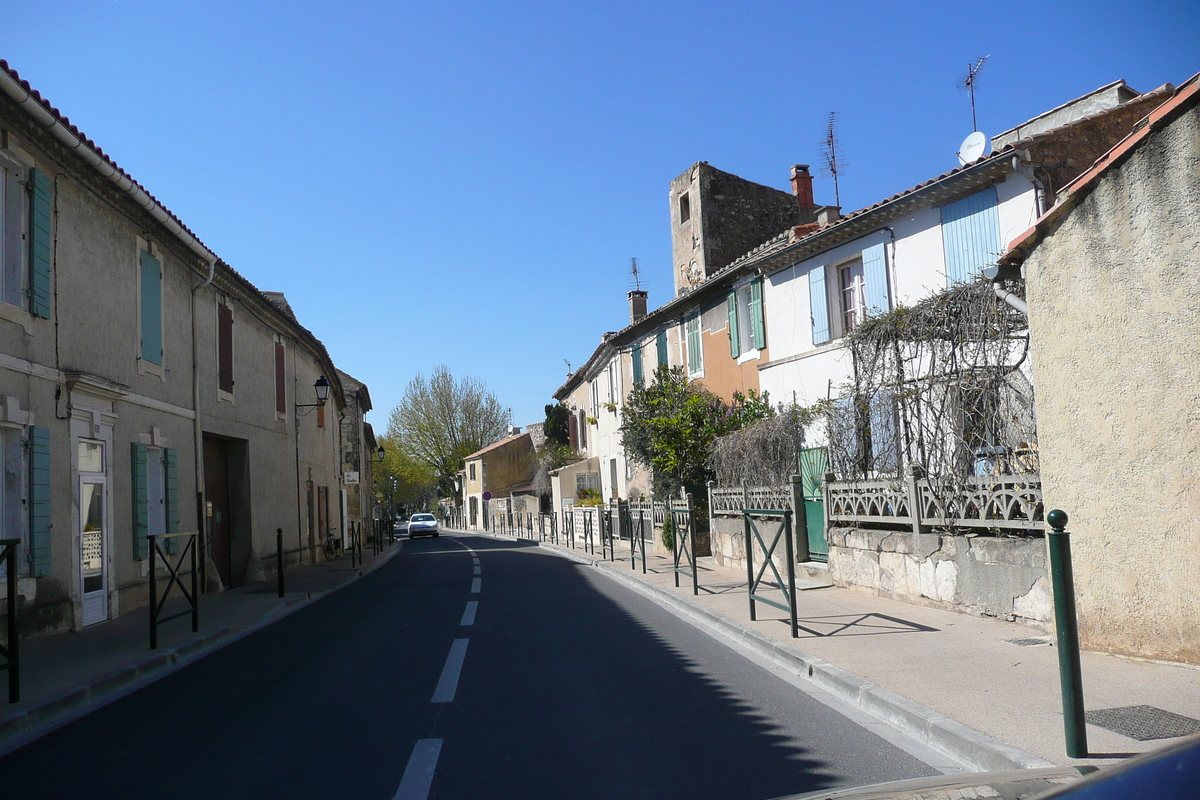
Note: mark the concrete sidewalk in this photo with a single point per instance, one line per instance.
(66, 675)
(983, 691)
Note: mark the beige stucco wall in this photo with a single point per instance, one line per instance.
(1115, 318)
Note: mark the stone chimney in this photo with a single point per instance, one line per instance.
(637, 305)
(802, 186)
(829, 215)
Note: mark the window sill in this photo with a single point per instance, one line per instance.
(749, 355)
(17, 316)
(150, 368)
(226, 397)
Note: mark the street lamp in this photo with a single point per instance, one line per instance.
(322, 389)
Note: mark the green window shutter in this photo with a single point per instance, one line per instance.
(692, 326)
(41, 207)
(876, 279)
(757, 328)
(818, 305)
(660, 344)
(171, 512)
(39, 501)
(151, 304)
(638, 372)
(735, 347)
(141, 495)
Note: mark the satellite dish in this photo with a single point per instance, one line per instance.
(972, 147)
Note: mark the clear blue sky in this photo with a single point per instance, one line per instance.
(465, 183)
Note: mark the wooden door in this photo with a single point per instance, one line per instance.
(216, 491)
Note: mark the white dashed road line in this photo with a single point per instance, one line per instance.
(447, 685)
(418, 775)
(469, 614)
(478, 570)
(475, 584)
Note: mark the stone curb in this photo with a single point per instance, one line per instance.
(937, 731)
(21, 727)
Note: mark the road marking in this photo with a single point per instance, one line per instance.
(475, 584)
(469, 614)
(418, 775)
(478, 570)
(448, 683)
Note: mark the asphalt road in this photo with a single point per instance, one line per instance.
(465, 668)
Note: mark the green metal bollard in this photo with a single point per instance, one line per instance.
(1067, 631)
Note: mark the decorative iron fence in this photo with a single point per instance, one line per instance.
(1008, 502)
(730, 501)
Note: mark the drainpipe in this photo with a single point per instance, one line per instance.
(997, 274)
(197, 428)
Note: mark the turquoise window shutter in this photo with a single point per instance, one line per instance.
(141, 495)
(758, 331)
(875, 275)
(151, 309)
(970, 235)
(638, 372)
(660, 344)
(171, 474)
(735, 345)
(693, 344)
(40, 210)
(818, 304)
(39, 501)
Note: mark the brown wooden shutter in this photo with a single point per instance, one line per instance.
(225, 348)
(280, 383)
(320, 416)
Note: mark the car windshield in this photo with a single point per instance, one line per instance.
(422, 518)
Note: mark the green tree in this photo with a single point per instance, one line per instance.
(557, 425)
(669, 425)
(401, 479)
(441, 420)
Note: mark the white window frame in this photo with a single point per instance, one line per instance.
(14, 491)
(745, 323)
(852, 298)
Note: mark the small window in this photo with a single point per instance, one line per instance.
(472, 469)
(150, 277)
(853, 295)
(685, 208)
(12, 227)
(280, 379)
(639, 375)
(225, 347)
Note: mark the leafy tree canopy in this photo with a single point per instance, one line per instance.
(441, 420)
(402, 480)
(669, 425)
(557, 424)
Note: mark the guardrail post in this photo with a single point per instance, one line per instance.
(1067, 630)
(279, 559)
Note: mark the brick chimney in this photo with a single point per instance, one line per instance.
(802, 186)
(637, 305)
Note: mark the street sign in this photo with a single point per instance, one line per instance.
(487, 495)
(350, 477)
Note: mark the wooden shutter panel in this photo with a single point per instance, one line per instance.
(141, 496)
(660, 344)
(693, 344)
(970, 235)
(875, 276)
(572, 433)
(171, 494)
(818, 304)
(638, 372)
(40, 210)
(735, 346)
(151, 306)
(280, 380)
(39, 501)
(225, 348)
(758, 330)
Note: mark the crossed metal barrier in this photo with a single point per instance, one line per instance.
(12, 650)
(683, 540)
(753, 538)
(193, 597)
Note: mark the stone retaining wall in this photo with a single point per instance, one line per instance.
(991, 576)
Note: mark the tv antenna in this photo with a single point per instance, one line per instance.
(568, 363)
(633, 270)
(969, 82)
(833, 163)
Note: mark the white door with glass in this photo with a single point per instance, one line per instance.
(93, 533)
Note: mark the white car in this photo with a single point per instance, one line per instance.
(422, 525)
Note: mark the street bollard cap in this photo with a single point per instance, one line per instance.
(1057, 519)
